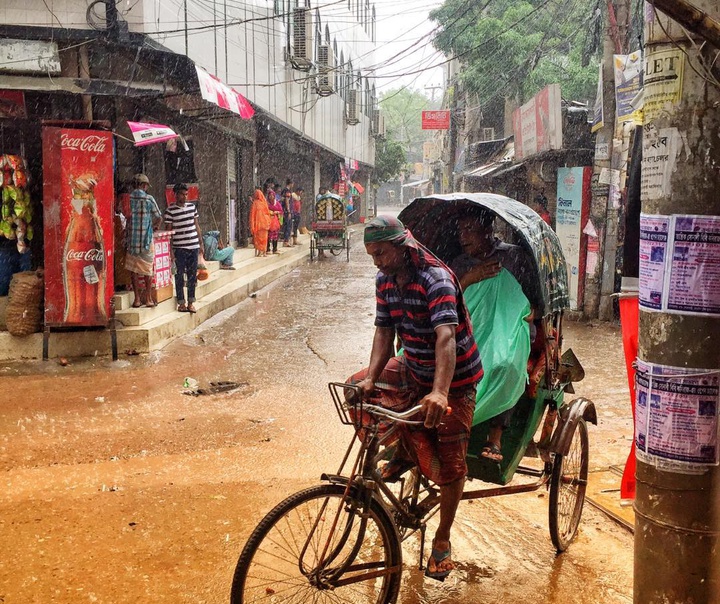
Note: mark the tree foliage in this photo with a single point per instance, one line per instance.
(390, 159)
(403, 109)
(513, 48)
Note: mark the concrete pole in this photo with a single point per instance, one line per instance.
(600, 192)
(676, 523)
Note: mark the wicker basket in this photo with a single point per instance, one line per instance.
(24, 312)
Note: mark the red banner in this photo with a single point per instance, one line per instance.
(78, 199)
(436, 120)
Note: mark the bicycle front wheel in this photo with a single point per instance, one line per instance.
(315, 547)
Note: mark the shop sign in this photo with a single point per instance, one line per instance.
(29, 56)
(537, 125)
(628, 84)
(436, 120)
(78, 197)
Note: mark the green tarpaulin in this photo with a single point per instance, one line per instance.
(498, 309)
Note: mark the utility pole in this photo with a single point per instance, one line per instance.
(677, 550)
(603, 216)
(433, 88)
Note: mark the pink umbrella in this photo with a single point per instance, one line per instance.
(147, 134)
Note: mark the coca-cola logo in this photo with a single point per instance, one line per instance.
(92, 142)
(92, 255)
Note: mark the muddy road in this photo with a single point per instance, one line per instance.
(119, 488)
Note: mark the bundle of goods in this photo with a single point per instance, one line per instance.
(24, 311)
(15, 206)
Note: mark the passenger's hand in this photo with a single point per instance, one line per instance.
(435, 406)
(480, 272)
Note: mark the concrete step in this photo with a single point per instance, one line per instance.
(131, 317)
(165, 323)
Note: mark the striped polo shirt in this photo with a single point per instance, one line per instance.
(427, 302)
(181, 219)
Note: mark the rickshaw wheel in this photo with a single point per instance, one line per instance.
(312, 248)
(567, 488)
(347, 245)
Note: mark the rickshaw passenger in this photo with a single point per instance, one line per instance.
(420, 299)
(505, 359)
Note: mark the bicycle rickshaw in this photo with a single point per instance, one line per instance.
(329, 230)
(341, 540)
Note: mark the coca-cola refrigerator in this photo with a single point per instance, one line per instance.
(78, 198)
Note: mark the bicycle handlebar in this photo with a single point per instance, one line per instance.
(397, 416)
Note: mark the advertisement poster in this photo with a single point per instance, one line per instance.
(163, 262)
(680, 264)
(628, 83)
(694, 280)
(663, 81)
(572, 213)
(537, 125)
(676, 416)
(659, 154)
(78, 199)
(653, 251)
(598, 115)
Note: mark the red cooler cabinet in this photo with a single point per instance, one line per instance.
(78, 197)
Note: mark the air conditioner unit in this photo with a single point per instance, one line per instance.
(302, 51)
(326, 77)
(374, 121)
(487, 134)
(381, 125)
(353, 107)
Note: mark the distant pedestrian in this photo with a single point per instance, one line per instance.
(297, 199)
(145, 217)
(286, 203)
(187, 245)
(276, 213)
(260, 222)
(540, 205)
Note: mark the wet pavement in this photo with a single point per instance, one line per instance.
(117, 487)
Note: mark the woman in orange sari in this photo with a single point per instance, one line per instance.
(260, 223)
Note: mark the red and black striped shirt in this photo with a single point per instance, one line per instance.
(427, 302)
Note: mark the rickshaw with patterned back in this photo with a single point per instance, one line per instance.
(329, 227)
(562, 442)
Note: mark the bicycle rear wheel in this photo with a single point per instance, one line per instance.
(567, 488)
(300, 553)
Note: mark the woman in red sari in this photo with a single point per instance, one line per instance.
(276, 211)
(260, 223)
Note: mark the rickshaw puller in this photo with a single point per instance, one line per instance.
(420, 299)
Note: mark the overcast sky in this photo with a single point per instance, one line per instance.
(400, 25)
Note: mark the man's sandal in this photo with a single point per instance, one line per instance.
(182, 308)
(438, 557)
(492, 452)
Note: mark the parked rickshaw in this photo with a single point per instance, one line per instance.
(341, 540)
(329, 229)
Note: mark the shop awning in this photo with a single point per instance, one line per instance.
(78, 86)
(416, 183)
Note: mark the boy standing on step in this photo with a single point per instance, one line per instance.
(182, 218)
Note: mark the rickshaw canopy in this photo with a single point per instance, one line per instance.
(433, 222)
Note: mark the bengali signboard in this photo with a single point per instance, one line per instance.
(537, 125)
(436, 120)
(573, 207)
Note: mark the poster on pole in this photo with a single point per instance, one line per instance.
(598, 115)
(680, 264)
(628, 83)
(653, 251)
(663, 82)
(676, 416)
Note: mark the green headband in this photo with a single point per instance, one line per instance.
(384, 228)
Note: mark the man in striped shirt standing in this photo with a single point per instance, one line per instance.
(419, 299)
(182, 218)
